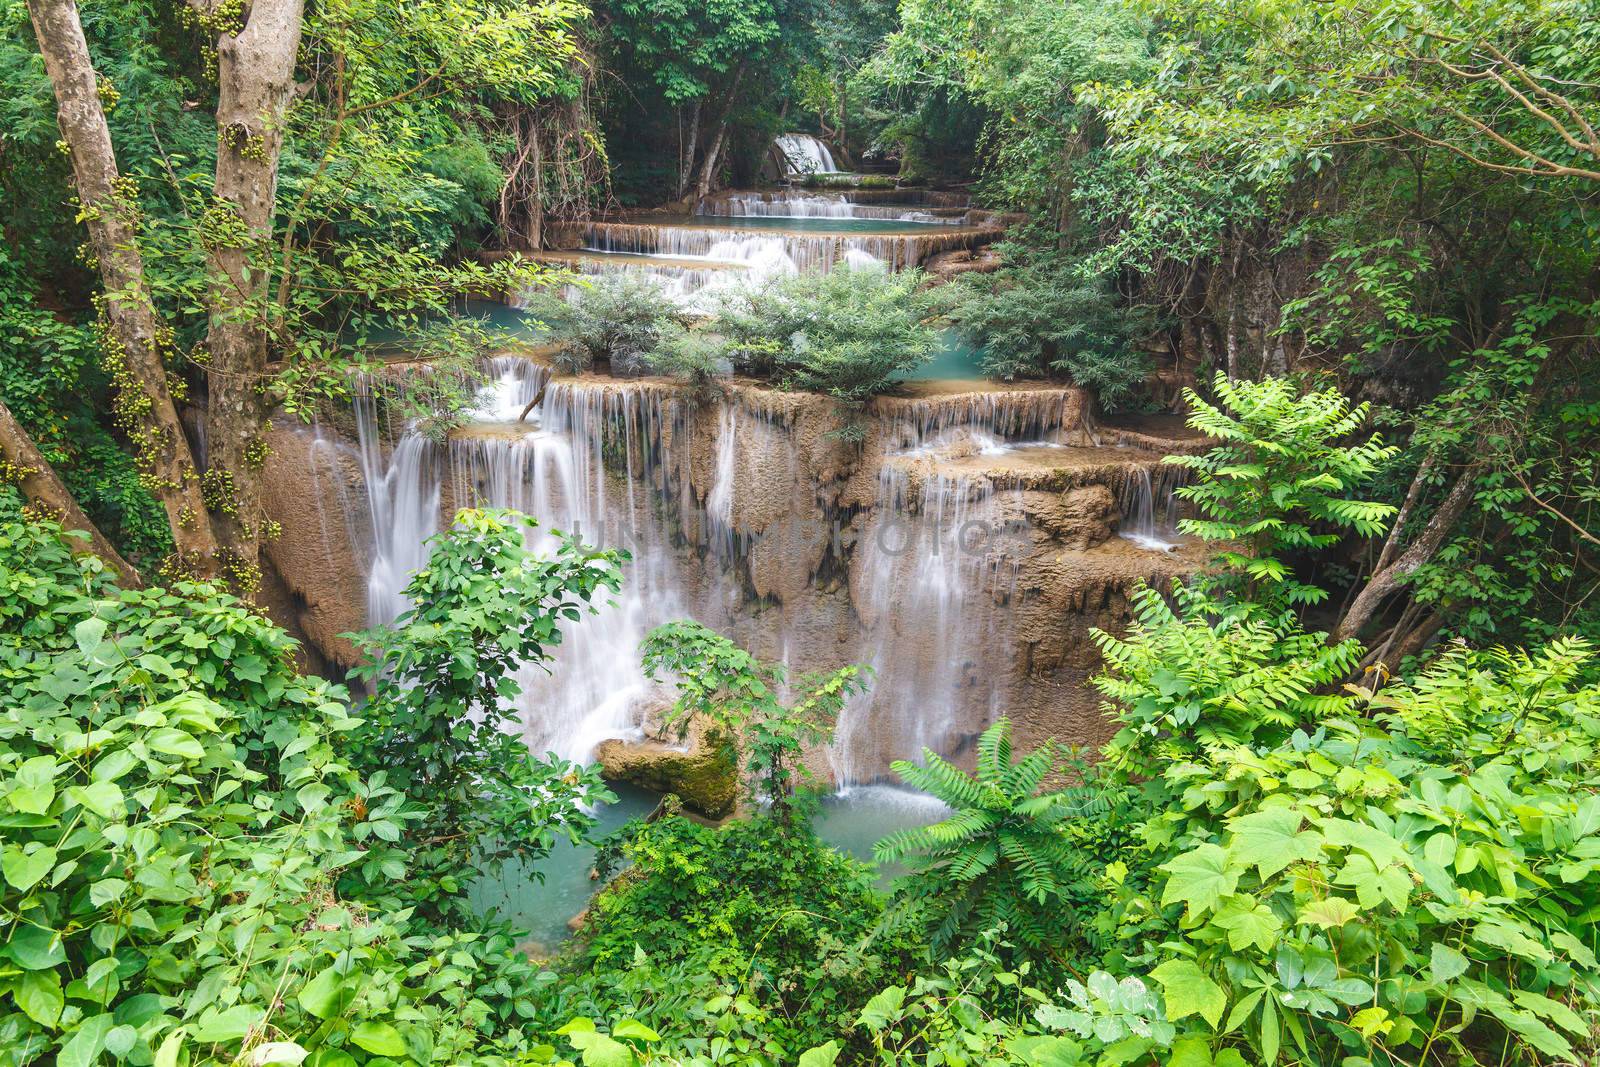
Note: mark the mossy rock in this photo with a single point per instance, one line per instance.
(705, 776)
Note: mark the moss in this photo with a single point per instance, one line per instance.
(705, 778)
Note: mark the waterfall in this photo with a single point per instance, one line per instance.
(797, 205)
(804, 154)
(766, 253)
(554, 468)
(1149, 516)
(935, 568)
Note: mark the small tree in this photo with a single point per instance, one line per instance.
(444, 674)
(733, 689)
(620, 318)
(1280, 481)
(846, 333)
(1003, 857)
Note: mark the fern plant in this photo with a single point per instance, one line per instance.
(1190, 677)
(1280, 481)
(1003, 858)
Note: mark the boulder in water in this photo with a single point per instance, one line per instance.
(704, 775)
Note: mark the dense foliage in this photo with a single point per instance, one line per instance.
(846, 333)
(1039, 317)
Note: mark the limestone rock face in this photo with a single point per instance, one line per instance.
(705, 775)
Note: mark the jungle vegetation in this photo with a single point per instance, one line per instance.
(1350, 813)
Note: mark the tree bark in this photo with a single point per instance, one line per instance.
(708, 167)
(45, 491)
(686, 157)
(132, 336)
(255, 75)
(1389, 577)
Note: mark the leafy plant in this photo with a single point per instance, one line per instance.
(1039, 317)
(1191, 677)
(718, 680)
(1280, 481)
(618, 318)
(846, 333)
(1003, 859)
(444, 676)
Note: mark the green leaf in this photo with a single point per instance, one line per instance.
(175, 743)
(380, 1039)
(88, 634)
(86, 1044)
(24, 869)
(821, 1056)
(1446, 963)
(38, 994)
(1329, 913)
(326, 995)
(103, 798)
(36, 948)
(599, 1050)
(1271, 839)
(228, 1025)
(883, 1008)
(634, 1029)
(1248, 923)
(1190, 992)
(1199, 878)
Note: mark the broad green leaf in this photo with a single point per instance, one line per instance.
(87, 1042)
(1446, 963)
(35, 948)
(1190, 992)
(34, 789)
(632, 1028)
(24, 869)
(38, 994)
(175, 743)
(226, 1025)
(1271, 839)
(102, 798)
(821, 1056)
(380, 1039)
(326, 995)
(1248, 923)
(1199, 878)
(1329, 913)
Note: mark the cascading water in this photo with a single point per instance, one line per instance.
(766, 254)
(552, 467)
(804, 154)
(1150, 509)
(796, 205)
(933, 571)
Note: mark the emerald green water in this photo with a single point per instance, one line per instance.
(852, 822)
(880, 227)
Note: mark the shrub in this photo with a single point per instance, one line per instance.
(617, 318)
(1040, 318)
(177, 809)
(846, 333)
(697, 357)
(765, 909)
(1003, 859)
(444, 674)
(721, 682)
(1281, 480)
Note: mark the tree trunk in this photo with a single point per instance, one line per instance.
(44, 490)
(686, 157)
(132, 337)
(708, 168)
(255, 75)
(1390, 576)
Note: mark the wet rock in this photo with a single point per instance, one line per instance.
(704, 775)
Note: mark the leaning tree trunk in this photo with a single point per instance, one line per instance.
(255, 75)
(708, 168)
(1396, 567)
(132, 338)
(45, 491)
(687, 151)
